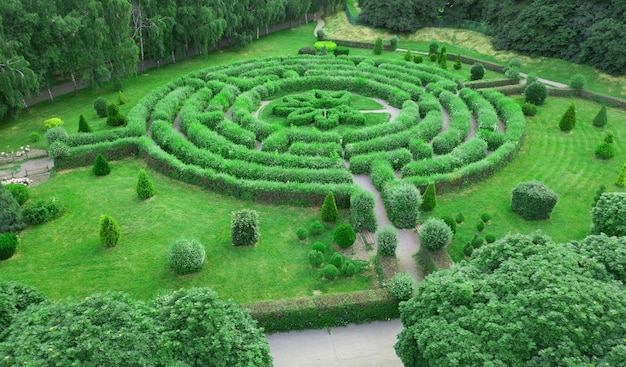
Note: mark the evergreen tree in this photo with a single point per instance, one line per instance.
(429, 199)
(378, 46)
(621, 180)
(101, 166)
(600, 119)
(458, 63)
(408, 56)
(10, 220)
(83, 126)
(145, 189)
(442, 60)
(568, 120)
(329, 209)
(110, 232)
(245, 228)
(121, 99)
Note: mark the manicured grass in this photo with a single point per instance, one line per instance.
(64, 257)
(364, 103)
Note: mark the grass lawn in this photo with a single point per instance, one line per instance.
(64, 257)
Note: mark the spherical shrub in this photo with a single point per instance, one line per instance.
(435, 234)
(100, 105)
(56, 134)
(480, 226)
(433, 47)
(344, 235)
(52, 123)
(319, 246)
(58, 149)
(535, 93)
(609, 214)
(402, 201)
(387, 240)
(432, 57)
(578, 81)
(459, 218)
(450, 222)
(316, 258)
(316, 228)
(529, 109)
(307, 51)
(477, 71)
(19, 192)
(348, 269)
(330, 46)
(605, 151)
(485, 217)
(245, 227)
(330, 272)
(490, 238)
(402, 286)
(34, 137)
(533, 200)
(418, 59)
(337, 259)
(101, 166)
(8, 244)
(186, 256)
(477, 241)
(468, 250)
(515, 62)
(302, 233)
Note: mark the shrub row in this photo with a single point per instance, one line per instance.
(486, 117)
(312, 136)
(510, 114)
(420, 149)
(408, 117)
(381, 173)
(316, 149)
(460, 117)
(167, 108)
(466, 153)
(237, 134)
(360, 164)
(379, 144)
(428, 102)
(84, 155)
(430, 126)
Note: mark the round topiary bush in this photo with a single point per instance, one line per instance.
(308, 50)
(56, 134)
(19, 192)
(578, 81)
(468, 250)
(459, 218)
(485, 217)
(316, 228)
(435, 234)
(529, 109)
(477, 241)
(418, 59)
(450, 222)
(337, 259)
(402, 286)
(8, 245)
(348, 269)
(58, 149)
(344, 235)
(330, 272)
(100, 105)
(432, 57)
(609, 214)
(490, 238)
(186, 256)
(319, 246)
(533, 200)
(387, 241)
(535, 93)
(316, 258)
(302, 233)
(245, 227)
(477, 71)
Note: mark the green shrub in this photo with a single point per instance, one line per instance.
(533, 200)
(515, 62)
(378, 46)
(19, 192)
(337, 259)
(601, 190)
(459, 218)
(41, 211)
(302, 233)
(56, 134)
(330, 272)
(8, 245)
(121, 99)
(485, 217)
(52, 122)
(110, 232)
(402, 286)
(100, 105)
(600, 119)
(535, 93)
(145, 189)
(316, 258)
(34, 137)
(605, 151)
(450, 222)
(426, 262)
(316, 228)
(330, 213)
(477, 71)
(432, 57)
(319, 246)
(387, 241)
(480, 226)
(468, 249)
(609, 214)
(418, 59)
(477, 242)
(621, 179)
(348, 269)
(442, 60)
(320, 34)
(578, 81)
(344, 235)
(186, 256)
(435, 234)
(101, 166)
(458, 64)
(362, 216)
(568, 120)
(114, 117)
(393, 42)
(308, 50)
(330, 46)
(341, 51)
(402, 201)
(429, 199)
(433, 47)
(408, 56)
(58, 149)
(83, 126)
(245, 227)
(529, 109)
(420, 149)
(490, 238)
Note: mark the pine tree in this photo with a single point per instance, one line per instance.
(110, 232)
(145, 189)
(568, 120)
(329, 209)
(378, 46)
(10, 220)
(83, 126)
(101, 166)
(621, 180)
(443, 58)
(429, 199)
(600, 119)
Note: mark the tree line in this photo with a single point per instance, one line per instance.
(583, 31)
(94, 41)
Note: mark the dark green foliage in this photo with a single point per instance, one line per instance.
(442, 60)
(34, 137)
(535, 93)
(468, 250)
(458, 64)
(330, 272)
(408, 56)
(121, 99)
(83, 126)
(387, 241)
(420, 149)
(393, 42)
(302, 233)
(56, 134)
(568, 120)
(337, 259)
(15, 298)
(477, 241)
(621, 179)
(450, 222)
(41, 211)
(10, 220)
(114, 117)
(19, 192)
(432, 57)
(145, 189)
(609, 251)
(319, 246)
(110, 232)
(316, 258)
(529, 109)
(517, 269)
(433, 47)
(425, 261)
(477, 71)
(429, 199)
(599, 192)
(378, 46)
(600, 119)
(316, 228)
(8, 245)
(490, 238)
(308, 50)
(341, 51)
(533, 200)
(605, 151)
(344, 235)
(348, 269)
(480, 226)
(418, 59)
(459, 218)
(402, 201)
(101, 166)
(485, 217)
(609, 214)
(362, 216)
(320, 34)
(100, 105)
(578, 81)
(330, 213)
(245, 227)
(186, 256)
(402, 286)
(435, 234)
(398, 17)
(330, 46)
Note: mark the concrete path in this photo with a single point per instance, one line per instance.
(365, 345)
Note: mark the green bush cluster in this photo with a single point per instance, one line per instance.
(606, 150)
(308, 50)
(42, 211)
(316, 258)
(387, 241)
(435, 234)
(609, 214)
(319, 246)
(529, 109)
(471, 151)
(8, 245)
(19, 192)
(55, 134)
(535, 93)
(451, 222)
(477, 71)
(362, 215)
(344, 235)
(402, 202)
(186, 256)
(330, 46)
(114, 116)
(316, 228)
(10, 219)
(330, 272)
(245, 227)
(402, 286)
(533, 200)
(58, 149)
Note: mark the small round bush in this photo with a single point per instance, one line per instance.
(468, 250)
(245, 227)
(535, 93)
(435, 234)
(348, 269)
(58, 149)
(320, 34)
(490, 238)
(56, 134)
(344, 235)
(34, 137)
(578, 81)
(432, 57)
(319, 246)
(330, 272)
(19, 192)
(316, 258)
(393, 42)
(8, 245)
(418, 59)
(485, 217)
(533, 200)
(186, 256)
(529, 109)
(459, 218)
(330, 46)
(307, 51)
(52, 122)
(100, 105)
(101, 166)
(337, 259)
(450, 222)
(605, 151)
(302, 233)
(387, 240)
(515, 62)
(477, 71)
(401, 286)
(316, 228)
(480, 226)
(477, 242)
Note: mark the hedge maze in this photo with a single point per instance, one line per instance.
(207, 129)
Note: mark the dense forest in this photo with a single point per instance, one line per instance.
(583, 31)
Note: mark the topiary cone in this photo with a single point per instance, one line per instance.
(621, 180)
(329, 209)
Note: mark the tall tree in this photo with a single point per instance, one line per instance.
(122, 51)
(400, 15)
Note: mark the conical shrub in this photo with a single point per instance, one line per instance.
(145, 189)
(330, 213)
(101, 166)
(568, 120)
